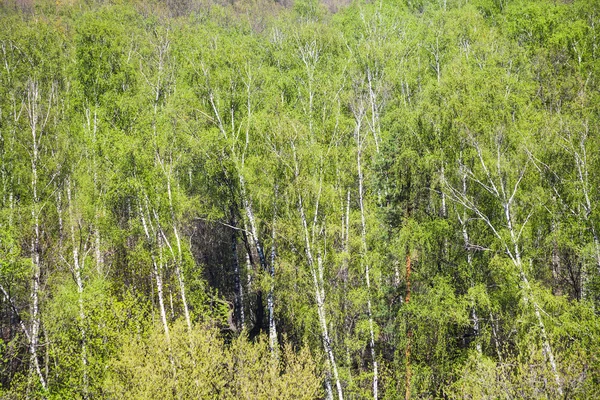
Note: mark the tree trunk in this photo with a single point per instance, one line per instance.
(157, 267)
(364, 256)
(179, 258)
(465, 233)
(270, 297)
(252, 222)
(498, 188)
(528, 295)
(317, 274)
(34, 112)
(367, 275)
(92, 128)
(78, 265)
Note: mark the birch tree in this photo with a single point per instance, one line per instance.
(157, 68)
(317, 273)
(359, 115)
(505, 189)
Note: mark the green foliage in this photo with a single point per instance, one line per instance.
(199, 364)
(108, 322)
(102, 52)
(169, 169)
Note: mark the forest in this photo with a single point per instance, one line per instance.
(259, 199)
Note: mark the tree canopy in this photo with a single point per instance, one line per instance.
(277, 200)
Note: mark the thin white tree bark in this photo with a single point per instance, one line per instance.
(37, 122)
(375, 109)
(159, 86)
(157, 270)
(177, 253)
(91, 125)
(78, 265)
(247, 204)
(181, 277)
(359, 114)
(270, 297)
(467, 242)
(579, 153)
(497, 187)
(317, 275)
(59, 205)
(252, 229)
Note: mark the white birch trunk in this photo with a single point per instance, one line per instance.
(77, 272)
(374, 125)
(92, 128)
(159, 287)
(252, 229)
(157, 266)
(499, 191)
(359, 143)
(583, 175)
(60, 218)
(178, 259)
(367, 274)
(270, 297)
(317, 274)
(16, 312)
(466, 240)
(247, 203)
(528, 296)
(181, 279)
(34, 113)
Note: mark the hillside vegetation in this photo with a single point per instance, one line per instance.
(277, 200)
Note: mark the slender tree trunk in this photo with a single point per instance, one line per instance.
(15, 312)
(35, 317)
(181, 280)
(162, 51)
(36, 131)
(270, 297)
(60, 218)
(345, 209)
(255, 240)
(498, 188)
(374, 125)
(346, 234)
(317, 274)
(159, 287)
(92, 128)
(359, 114)
(528, 295)
(157, 267)
(465, 233)
(366, 266)
(494, 326)
(252, 229)
(249, 260)
(179, 258)
(47, 345)
(78, 265)
(252, 222)
(583, 175)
